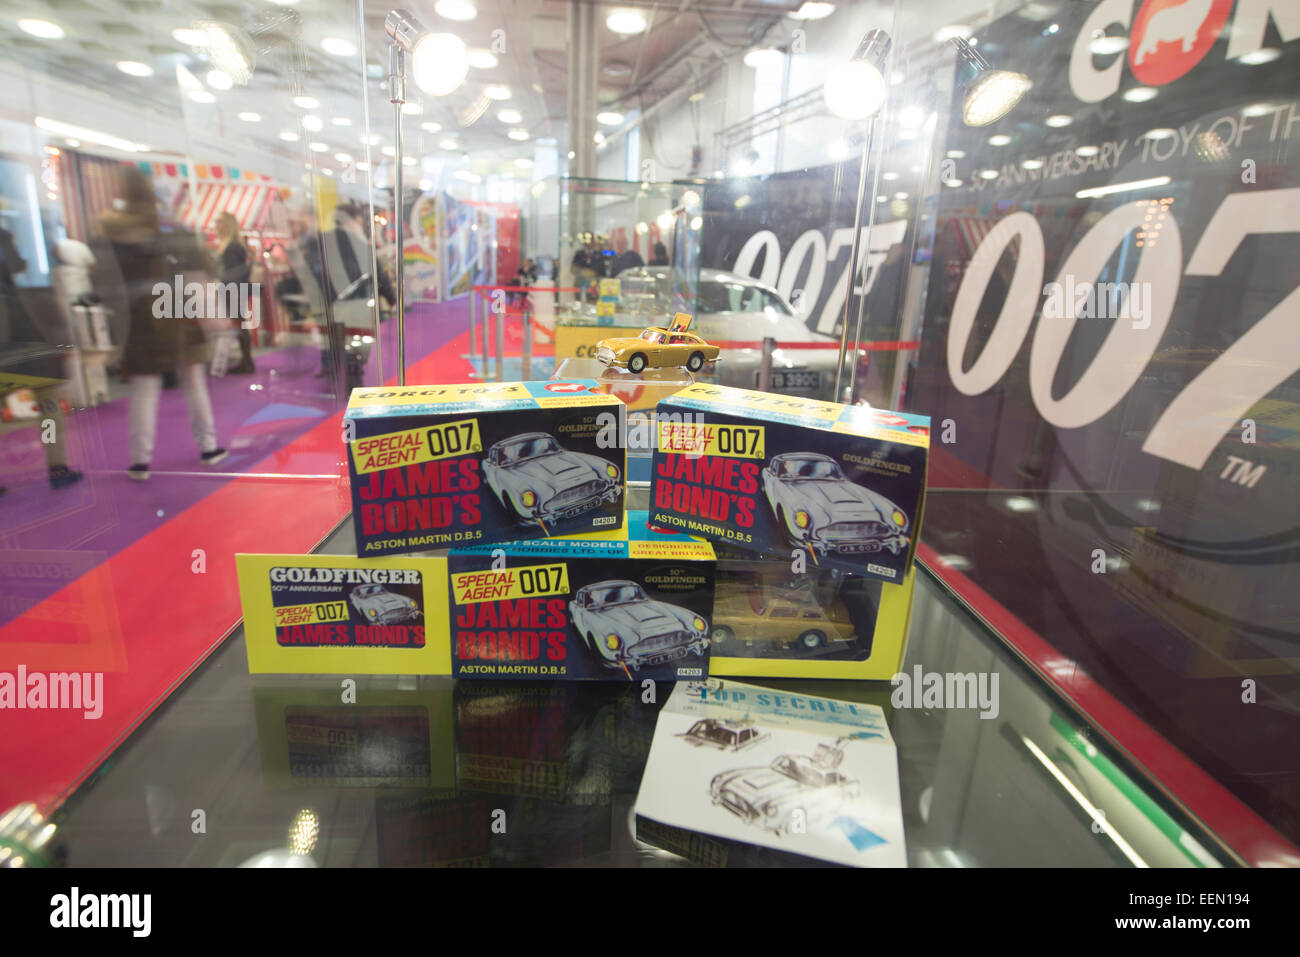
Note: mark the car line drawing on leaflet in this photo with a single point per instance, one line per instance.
(823, 511)
(795, 789)
(377, 604)
(626, 628)
(723, 734)
(541, 482)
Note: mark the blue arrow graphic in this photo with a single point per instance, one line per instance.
(859, 836)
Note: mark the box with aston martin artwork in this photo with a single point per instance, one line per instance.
(822, 484)
(436, 466)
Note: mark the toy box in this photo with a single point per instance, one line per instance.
(843, 485)
(607, 607)
(442, 465)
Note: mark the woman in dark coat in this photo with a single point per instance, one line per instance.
(160, 337)
(235, 268)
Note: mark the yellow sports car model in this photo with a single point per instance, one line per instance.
(784, 616)
(658, 348)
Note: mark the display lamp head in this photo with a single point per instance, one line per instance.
(856, 90)
(439, 61)
(989, 94)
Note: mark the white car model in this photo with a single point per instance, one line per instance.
(738, 313)
(626, 628)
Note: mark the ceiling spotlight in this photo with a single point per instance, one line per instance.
(616, 69)
(524, 163)
(1161, 133)
(1259, 109)
(956, 154)
(1087, 151)
(448, 143)
(695, 97)
(999, 139)
(856, 90)
(627, 22)
(388, 151)
(1032, 164)
(989, 174)
(431, 127)
(319, 147)
(190, 37)
(251, 117)
(134, 68)
(510, 116)
(764, 59)
(219, 80)
(1262, 55)
(461, 10)
(306, 102)
(202, 96)
(482, 59)
(1057, 120)
(312, 123)
(1140, 94)
(990, 94)
(343, 158)
(289, 136)
(337, 46)
(41, 28)
(439, 61)
(412, 109)
(609, 118)
(497, 92)
(518, 136)
(838, 150)
(341, 121)
(812, 10)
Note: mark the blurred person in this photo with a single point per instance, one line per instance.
(233, 262)
(349, 285)
(660, 257)
(627, 257)
(144, 256)
(25, 343)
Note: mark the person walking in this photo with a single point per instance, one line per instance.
(158, 339)
(233, 261)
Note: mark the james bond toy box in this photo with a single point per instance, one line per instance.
(606, 607)
(770, 473)
(436, 466)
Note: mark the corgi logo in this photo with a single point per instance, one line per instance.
(566, 387)
(1172, 36)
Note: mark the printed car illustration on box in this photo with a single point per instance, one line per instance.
(626, 628)
(377, 604)
(791, 615)
(540, 482)
(820, 509)
(723, 734)
(657, 348)
(794, 788)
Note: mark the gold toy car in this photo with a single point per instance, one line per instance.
(658, 348)
(786, 615)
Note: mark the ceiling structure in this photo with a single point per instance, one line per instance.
(683, 44)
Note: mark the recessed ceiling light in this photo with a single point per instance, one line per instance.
(426, 185)
(306, 102)
(219, 80)
(1163, 133)
(1087, 151)
(412, 109)
(190, 37)
(461, 10)
(1262, 55)
(952, 183)
(430, 127)
(319, 147)
(325, 170)
(957, 154)
(599, 139)
(890, 176)
(524, 163)
(609, 118)
(482, 59)
(882, 199)
(289, 136)
(41, 28)
(838, 150)
(616, 69)
(363, 166)
(372, 139)
(518, 135)
(900, 196)
(999, 139)
(251, 117)
(409, 161)
(812, 10)
(343, 157)
(497, 92)
(1259, 109)
(447, 144)
(388, 151)
(764, 59)
(202, 96)
(313, 123)
(510, 116)
(989, 174)
(626, 22)
(1057, 120)
(1032, 164)
(695, 97)
(1104, 46)
(337, 46)
(134, 68)
(1140, 94)
(341, 121)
